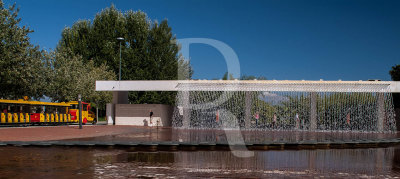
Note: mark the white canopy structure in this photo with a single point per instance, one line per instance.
(250, 85)
(120, 91)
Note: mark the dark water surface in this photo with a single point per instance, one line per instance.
(72, 162)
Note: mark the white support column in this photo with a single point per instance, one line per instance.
(313, 111)
(247, 109)
(110, 113)
(186, 109)
(381, 111)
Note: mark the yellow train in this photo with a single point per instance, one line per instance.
(87, 115)
(37, 112)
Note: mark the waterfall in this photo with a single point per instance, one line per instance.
(308, 106)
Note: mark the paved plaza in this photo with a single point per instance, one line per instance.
(101, 135)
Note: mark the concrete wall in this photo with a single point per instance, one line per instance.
(138, 114)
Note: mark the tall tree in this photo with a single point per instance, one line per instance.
(251, 77)
(228, 76)
(72, 76)
(23, 68)
(395, 73)
(149, 50)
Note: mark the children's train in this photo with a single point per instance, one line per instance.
(14, 112)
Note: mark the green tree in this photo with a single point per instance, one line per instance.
(228, 76)
(149, 51)
(185, 70)
(23, 67)
(251, 77)
(72, 76)
(395, 73)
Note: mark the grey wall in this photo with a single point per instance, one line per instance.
(133, 111)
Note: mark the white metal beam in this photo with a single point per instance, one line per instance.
(249, 85)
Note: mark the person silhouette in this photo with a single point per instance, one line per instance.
(257, 116)
(151, 118)
(297, 121)
(348, 120)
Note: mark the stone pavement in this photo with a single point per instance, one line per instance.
(48, 133)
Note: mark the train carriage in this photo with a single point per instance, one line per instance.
(87, 115)
(33, 112)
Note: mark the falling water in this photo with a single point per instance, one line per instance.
(274, 109)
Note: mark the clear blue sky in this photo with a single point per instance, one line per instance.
(278, 39)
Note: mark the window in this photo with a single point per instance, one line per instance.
(62, 109)
(85, 107)
(74, 106)
(26, 108)
(4, 108)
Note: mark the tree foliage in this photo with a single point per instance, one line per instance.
(23, 68)
(70, 76)
(229, 76)
(149, 51)
(395, 73)
(251, 77)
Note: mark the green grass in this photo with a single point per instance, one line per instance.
(102, 119)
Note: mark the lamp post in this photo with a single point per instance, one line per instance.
(120, 39)
(80, 110)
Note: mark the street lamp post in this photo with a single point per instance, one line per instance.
(120, 39)
(80, 110)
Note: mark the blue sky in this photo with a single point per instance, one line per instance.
(278, 39)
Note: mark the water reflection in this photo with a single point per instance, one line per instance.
(22, 162)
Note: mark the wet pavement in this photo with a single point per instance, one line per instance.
(155, 135)
(106, 133)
